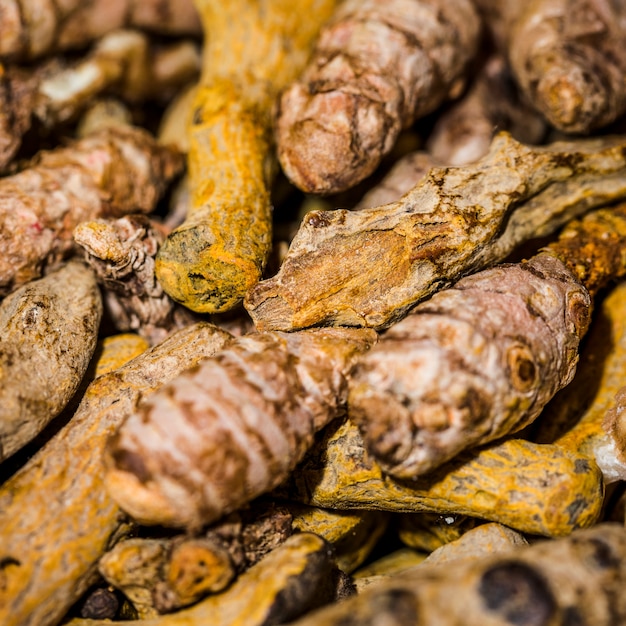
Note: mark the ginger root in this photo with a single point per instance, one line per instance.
(376, 68)
(233, 428)
(112, 172)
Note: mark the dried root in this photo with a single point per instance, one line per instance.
(233, 428)
(111, 173)
(569, 58)
(56, 509)
(211, 260)
(375, 70)
(163, 575)
(368, 268)
(576, 580)
(577, 418)
(482, 359)
(122, 62)
(293, 579)
(472, 364)
(536, 489)
(122, 253)
(463, 133)
(48, 331)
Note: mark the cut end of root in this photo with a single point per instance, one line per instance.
(200, 276)
(573, 102)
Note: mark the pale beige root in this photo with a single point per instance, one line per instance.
(48, 333)
(122, 253)
(233, 428)
(574, 580)
(535, 489)
(369, 267)
(353, 534)
(125, 62)
(133, 566)
(485, 539)
(111, 173)
(116, 350)
(291, 580)
(429, 531)
(55, 510)
(463, 133)
(574, 418)
(568, 56)
(476, 362)
(209, 262)
(614, 424)
(376, 68)
(35, 28)
(161, 575)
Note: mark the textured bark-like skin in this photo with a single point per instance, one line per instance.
(48, 333)
(31, 28)
(353, 534)
(233, 428)
(375, 70)
(124, 62)
(211, 260)
(292, 579)
(370, 267)
(111, 173)
(575, 419)
(56, 518)
(575, 580)
(122, 254)
(569, 59)
(476, 362)
(536, 489)
(593, 248)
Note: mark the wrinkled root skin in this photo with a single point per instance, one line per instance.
(473, 363)
(243, 420)
(372, 74)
